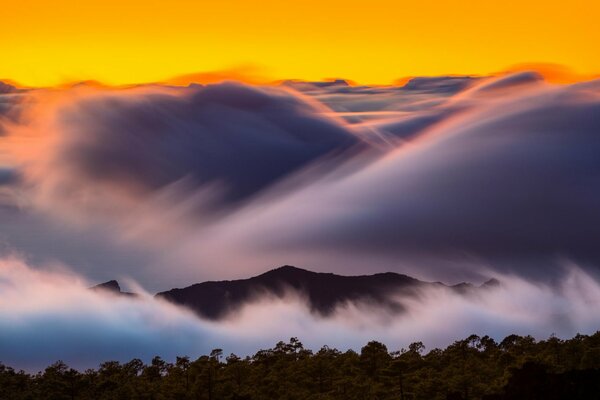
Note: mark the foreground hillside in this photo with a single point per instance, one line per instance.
(474, 368)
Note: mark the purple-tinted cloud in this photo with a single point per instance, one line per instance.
(502, 172)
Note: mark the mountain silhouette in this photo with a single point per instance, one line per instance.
(322, 291)
(111, 287)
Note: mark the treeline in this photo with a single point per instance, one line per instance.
(474, 368)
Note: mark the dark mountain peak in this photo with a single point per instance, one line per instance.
(491, 283)
(466, 287)
(462, 284)
(289, 271)
(289, 274)
(392, 275)
(323, 291)
(111, 286)
(286, 270)
(463, 287)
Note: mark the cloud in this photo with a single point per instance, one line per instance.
(239, 138)
(511, 81)
(145, 162)
(503, 174)
(7, 176)
(504, 178)
(9, 110)
(439, 84)
(510, 179)
(555, 73)
(6, 88)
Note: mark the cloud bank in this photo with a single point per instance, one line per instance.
(509, 177)
(237, 137)
(436, 178)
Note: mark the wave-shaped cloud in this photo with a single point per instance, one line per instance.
(497, 171)
(510, 179)
(240, 137)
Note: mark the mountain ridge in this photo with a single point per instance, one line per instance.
(323, 291)
(112, 287)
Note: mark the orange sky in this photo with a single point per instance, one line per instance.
(376, 41)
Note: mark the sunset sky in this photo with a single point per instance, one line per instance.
(377, 41)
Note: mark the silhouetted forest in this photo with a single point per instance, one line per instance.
(474, 368)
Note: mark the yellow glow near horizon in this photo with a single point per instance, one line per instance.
(129, 41)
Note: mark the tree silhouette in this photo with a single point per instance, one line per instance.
(518, 367)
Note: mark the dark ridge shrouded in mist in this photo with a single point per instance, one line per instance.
(324, 292)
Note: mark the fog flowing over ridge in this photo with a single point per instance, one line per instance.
(434, 179)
